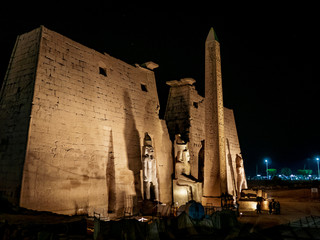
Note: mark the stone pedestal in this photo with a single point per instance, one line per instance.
(185, 193)
(211, 201)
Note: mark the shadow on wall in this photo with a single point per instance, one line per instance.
(111, 183)
(133, 147)
(230, 164)
(178, 117)
(201, 162)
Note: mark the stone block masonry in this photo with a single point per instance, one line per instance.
(73, 122)
(185, 115)
(232, 150)
(186, 111)
(15, 109)
(89, 113)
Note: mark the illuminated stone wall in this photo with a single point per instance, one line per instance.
(72, 124)
(89, 115)
(15, 107)
(186, 107)
(232, 150)
(209, 128)
(197, 132)
(185, 115)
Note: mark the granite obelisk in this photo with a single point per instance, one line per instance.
(215, 180)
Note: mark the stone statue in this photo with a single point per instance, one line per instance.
(182, 157)
(183, 171)
(241, 177)
(149, 167)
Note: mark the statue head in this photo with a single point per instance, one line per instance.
(186, 156)
(179, 140)
(147, 140)
(239, 161)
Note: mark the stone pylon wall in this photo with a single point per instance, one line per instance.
(15, 108)
(89, 115)
(232, 150)
(185, 115)
(185, 107)
(178, 110)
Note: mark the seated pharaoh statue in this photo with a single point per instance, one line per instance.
(186, 188)
(149, 167)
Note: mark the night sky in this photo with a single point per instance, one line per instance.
(269, 70)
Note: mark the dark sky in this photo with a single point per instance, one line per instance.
(269, 57)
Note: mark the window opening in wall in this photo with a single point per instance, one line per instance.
(144, 88)
(103, 71)
(195, 104)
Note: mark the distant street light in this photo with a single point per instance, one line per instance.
(266, 161)
(318, 167)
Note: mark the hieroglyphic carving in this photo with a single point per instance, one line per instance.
(215, 181)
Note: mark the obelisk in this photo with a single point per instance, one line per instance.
(215, 179)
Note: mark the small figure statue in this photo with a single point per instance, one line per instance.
(183, 169)
(149, 166)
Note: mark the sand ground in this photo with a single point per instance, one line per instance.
(299, 209)
(299, 219)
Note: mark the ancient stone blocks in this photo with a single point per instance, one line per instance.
(73, 120)
(84, 115)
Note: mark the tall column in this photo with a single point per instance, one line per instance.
(215, 179)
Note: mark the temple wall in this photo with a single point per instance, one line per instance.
(15, 106)
(185, 115)
(89, 115)
(197, 132)
(177, 111)
(186, 107)
(72, 124)
(232, 150)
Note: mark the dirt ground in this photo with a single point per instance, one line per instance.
(296, 204)
(299, 219)
(42, 225)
